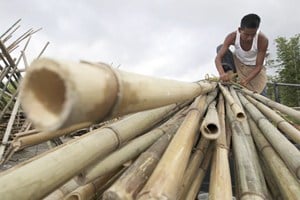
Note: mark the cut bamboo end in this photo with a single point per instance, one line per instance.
(210, 131)
(53, 93)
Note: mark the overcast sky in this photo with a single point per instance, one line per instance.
(162, 38)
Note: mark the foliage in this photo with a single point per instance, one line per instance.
(288, 68)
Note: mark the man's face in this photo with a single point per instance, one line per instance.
(247, 34)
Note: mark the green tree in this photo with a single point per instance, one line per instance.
(288, 68)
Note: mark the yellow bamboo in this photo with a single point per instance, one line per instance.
(272, 104)
(196, 185)
(127, 152)
(134, 178)
(288, 185)
(210, 127)
(220, 179)
(83, 151)
(57, 94)
(192, 168)
(287, 151)
(165, 180)
(63, 190)
(283, 125)
(236, 109)
(249, 182)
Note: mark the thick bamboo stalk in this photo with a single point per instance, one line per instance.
(126, 153)
(53, 93)
(196, 185)
(220, 179)
(288, 185)
(167, 176)
(287, 151)
(281, 124)
(250, 184)
(134, 178)
(210, 127)
(83, 151)
(192, 168)
(272, 104)
(236, 109)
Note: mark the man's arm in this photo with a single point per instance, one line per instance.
(229, 40)
(261, 54)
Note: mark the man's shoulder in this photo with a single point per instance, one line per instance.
(231, 38)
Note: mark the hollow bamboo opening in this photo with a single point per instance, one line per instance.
(46, 97)
(211, 129)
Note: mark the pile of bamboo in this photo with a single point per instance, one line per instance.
(160, 138)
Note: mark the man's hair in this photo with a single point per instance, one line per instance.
(250, 21)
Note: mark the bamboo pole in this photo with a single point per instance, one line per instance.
(134, 178)
(165, 180)
(220, 179)
(249, 182)
(282, 108)
(210, 127)
(281, 124)
(9, 128)
(288, 185)
(83, 151)
(126, 153)
(63, 190)
(236, 109)
(287, 151)
(53, 92)
(193, 166)
(196, 185)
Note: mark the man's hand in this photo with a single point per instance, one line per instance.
(243, 82)
(224, 77)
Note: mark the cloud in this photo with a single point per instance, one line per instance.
(173, 39)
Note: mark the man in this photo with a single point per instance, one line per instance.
(247, 60)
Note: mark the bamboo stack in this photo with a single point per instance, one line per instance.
(170, 139)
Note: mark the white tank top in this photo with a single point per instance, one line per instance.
(246, 57)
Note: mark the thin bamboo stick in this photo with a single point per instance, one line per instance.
(282, 108)
(9, 128)
(165, 180)
(210, 127)
(288, 185)
(220, 179)
(104, 91)
(281, 124)
(60, 162)
(287, 151)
